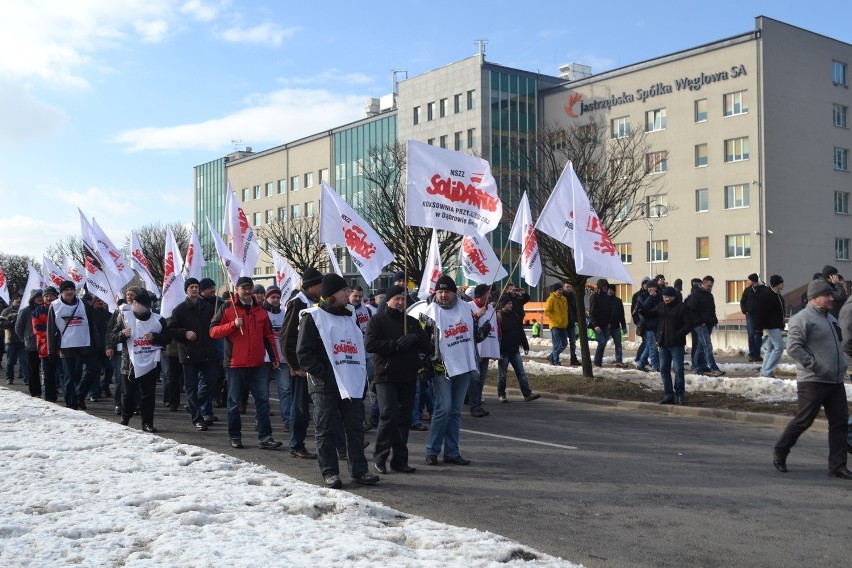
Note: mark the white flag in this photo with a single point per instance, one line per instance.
(4, 287)
(479, 263)
(34, 282)
(341, 225)
(332, 260)
(569, 218)
(95, 278)
(52, 273)
(173, 293)
(231, 264)
(245, 246)
(286, 278)
(450, 190)
(433, 269)
(194, 262)
(75, 271)
(140, 264)
(115, 265)
(523, 233)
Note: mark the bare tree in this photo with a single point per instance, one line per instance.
(152, 239)
(384, 209)
(612, 167)
(17, 273)
(70, 246)
(297, 240)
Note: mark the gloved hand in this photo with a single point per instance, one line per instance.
(406, 341)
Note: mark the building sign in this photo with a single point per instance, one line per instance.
(577, 106)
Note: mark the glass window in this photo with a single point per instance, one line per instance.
(324, 175)
(656, 205)
(444, 107)
(701, 110)
(841, 159)
(656, 163)
(655, 120)
(623, 291)
(738, 246)
(340, 172)
(658, 251)
(256, 218)
(737, 196)
(282, 213)
(471, 100)
(702, 200)
(443, 141)
(700, 155)
(626, 252)
(619, 127)
(430, 111)
(270, 189)
(457, 103)
(270, 216)
(838, 73)
(282, 186)
(735, 103)
(431, 141)
(471, 137)
(736, 149)
(841, 202)
(841, 249)
(246, 195)
(734, 290)
(840, 113)
(256, 191)
(294, 183)
(702, 248)
(457, 140)
(295, 211)
(417, 115)
(309, 209)
(309, 179)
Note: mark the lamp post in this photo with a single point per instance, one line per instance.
(651, 216)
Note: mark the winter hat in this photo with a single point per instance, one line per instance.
(35, 293)
(144, 298)
(205, 284)
(505, 300)
(653, 284)
(66, 284)
(481, 289)
(189, 282)
(828, 270)
(332, 283)
(258, 289)
(272, 290)
(446, 283)
(775, 280)
(243, 281)
(394, 291)
(50, 290)
(603, 282)
(753, 277)
(818, 288)
(398, 276)
(646, 281)
(669, 291)
(556, 287)
(311, 277)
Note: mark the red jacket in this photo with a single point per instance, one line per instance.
(246, 349)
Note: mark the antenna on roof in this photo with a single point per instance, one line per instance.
(237, 142)
(481, 42)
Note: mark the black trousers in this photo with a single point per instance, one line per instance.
(34, 373)
(812, 396)
(396, 401)
(147, 383)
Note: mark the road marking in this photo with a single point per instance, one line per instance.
(520, 440)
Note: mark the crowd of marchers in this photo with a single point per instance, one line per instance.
(327, 349)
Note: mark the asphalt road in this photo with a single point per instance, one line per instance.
(602, 486)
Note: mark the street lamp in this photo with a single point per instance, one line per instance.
(651, 215)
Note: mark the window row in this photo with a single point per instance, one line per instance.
(294, 183)
(736, 246)
(736, 150)
(733, 104)
(295, 212)
(461, 140)
(459, 103)
(737, 196)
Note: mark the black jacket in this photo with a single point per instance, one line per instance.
(512, 335)
(676, 320)
(647, 312)
(616, 308)
(193, 316)
(116, 336)
(290, 332)
(636, 302)
(749, 297)
(770, 310)
(390, 363)
(702, 303)
(101, 318)
(311, 353)
(600, 311)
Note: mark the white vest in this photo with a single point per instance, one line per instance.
(490, 346)
(455, 337)
(344, 346)
(363, 315)
(277, 322)
(72, 324)
(144, 355)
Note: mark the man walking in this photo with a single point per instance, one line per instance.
(489, 349)
(769, 312)
(814, 342)
(703, 305)
(512, 338)
(568, 292)
(747, 303)
(600, 319)
(556, 312)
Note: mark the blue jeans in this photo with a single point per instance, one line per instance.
(299, 413)
(198, 376)
(616, 341)
(642, 352)
(773, 353)
(422, 399)
(672, 356)
(15, 353)
(474, 390)
(75, 383)
(446, 421)
(256, 381)
(651, 353)
(332, 414)
(754, 337)
(559, 338)
(601, 337)
(284, 382)
(572, 340)
(702, 356)
(518, 365)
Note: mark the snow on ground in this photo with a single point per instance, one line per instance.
(81, 491)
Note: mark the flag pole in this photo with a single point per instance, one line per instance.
(232, 289)
(509, 279)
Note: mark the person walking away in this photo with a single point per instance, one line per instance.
(703, 305)
(600, 319)
(568, 292)
(650, 325)
(619, 325)
(556, 312)
(512, 338)
(747, 304)
(769, 314)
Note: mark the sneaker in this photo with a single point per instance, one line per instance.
(333, 482)
(431, 460)
(716, 373)
(380, 467)
(620, 365)
(479, 412)
(93, 399)
(458, 460)
(502, 399)
(236, 443)
(532, 396)
(286, 427)
(209, 420)
(118, 411)
(667, 400)
(575, 363)
(149, 428)
(419, 427)
(201, 426)
(367, 479)
(302, 454)
(680, 400)
(269, 443)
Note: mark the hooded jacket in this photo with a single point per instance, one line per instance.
(555, 310)
(769, 310)
(702, 303)
(24, 326)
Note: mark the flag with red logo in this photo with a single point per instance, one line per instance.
(523, 233)
(34, 282)
(341, 225)
(52, 273)
(432, 270)
(286, 278)
(140, 264)
(569, 218)
(4, 287)
(173, 293)
(229, 262)
(194, 263)
(95, 279)
(479, 263)
(75, 271)
(115, 265)
(450, 190)
(243, 242)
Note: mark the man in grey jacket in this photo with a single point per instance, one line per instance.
(814, 342)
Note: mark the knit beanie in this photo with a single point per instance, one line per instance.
(311, 277)
(332, 283)
(446, 283)
(775, 280)
(205, 284)
(394, 291)
(189, 282)
(818, 288)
